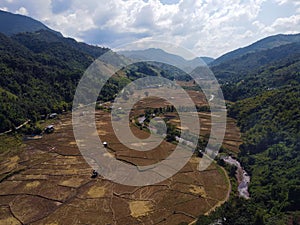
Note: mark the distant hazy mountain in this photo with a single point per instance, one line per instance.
(264, 44)
(207, 60)
(13, 24)
(159, 55)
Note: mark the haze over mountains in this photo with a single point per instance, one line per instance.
(156, 54)
(260, 53)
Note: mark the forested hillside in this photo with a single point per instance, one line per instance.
(284, 72)
(264, 88)
(38, 75)
(261, 45)
(270, 123)
(271, 126)
(252, 64)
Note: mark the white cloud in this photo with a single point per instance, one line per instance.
(209, 27)
(286, 25)
(78, 21)
(282, 2)
(22, 11)
(4, 9)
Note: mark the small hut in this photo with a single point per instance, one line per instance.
(53, 115)
(94, 174)
(105, 144)
(49, 129)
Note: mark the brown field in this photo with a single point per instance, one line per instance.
(49, 182)
(232, 139)
(156, 102)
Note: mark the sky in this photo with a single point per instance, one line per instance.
(204, 27)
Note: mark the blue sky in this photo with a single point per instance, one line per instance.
(205, 27)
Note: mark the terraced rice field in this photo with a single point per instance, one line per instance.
(49, 183)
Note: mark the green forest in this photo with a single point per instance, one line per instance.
(37, 76)
(265, 102)
(270, 124)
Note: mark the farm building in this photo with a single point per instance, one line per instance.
(49, 129)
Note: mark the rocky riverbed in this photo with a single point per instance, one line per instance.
(242, 177)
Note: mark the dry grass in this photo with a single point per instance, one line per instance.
(72, 182)
(97, 192)
(9, 221)
(33, 184)
(198, 190)
(140, 208)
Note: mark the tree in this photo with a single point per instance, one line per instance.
(5, 124)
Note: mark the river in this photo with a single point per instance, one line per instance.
(242, 177)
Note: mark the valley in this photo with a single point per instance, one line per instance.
(44, 178)
(50, 183)
(50, 177)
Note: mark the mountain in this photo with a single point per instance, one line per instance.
(280, 74)
(270, 124)
(39, 73)
(266, 69)
(237, 69)
(34, 41)
(159, 55)
(40, 69)
(263, 89)
(13, 24)
(207, 60)
(264, 44)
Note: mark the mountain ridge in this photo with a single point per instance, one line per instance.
(11, 24)
(260, 45)
(159, 55)
(237, 68)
